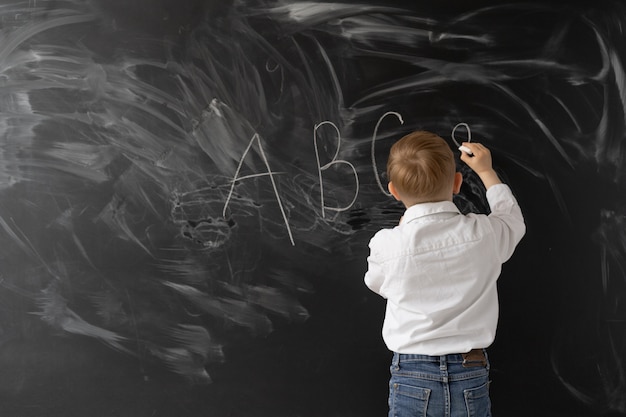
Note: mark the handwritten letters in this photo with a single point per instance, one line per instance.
(321, 168)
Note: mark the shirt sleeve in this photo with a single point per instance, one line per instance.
(375, 275)
(506, 219)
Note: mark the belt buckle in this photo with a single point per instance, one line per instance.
(473, 358)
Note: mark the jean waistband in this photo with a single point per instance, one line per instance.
(475, 357)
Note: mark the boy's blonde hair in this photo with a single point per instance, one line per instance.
(421, 166)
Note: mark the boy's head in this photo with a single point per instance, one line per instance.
(421, 168)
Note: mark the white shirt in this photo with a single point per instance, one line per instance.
(438, 271)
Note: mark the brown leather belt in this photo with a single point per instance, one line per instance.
(475, 357)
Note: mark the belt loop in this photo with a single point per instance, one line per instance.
(395, 362)
(488, 364)
(443, 362)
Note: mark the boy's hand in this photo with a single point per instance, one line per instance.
(480, 163)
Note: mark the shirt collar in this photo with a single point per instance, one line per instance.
(426, 209)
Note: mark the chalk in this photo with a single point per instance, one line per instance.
(466, 150)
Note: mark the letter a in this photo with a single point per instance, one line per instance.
(269, 173)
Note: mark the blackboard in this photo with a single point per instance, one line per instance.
(187, 190)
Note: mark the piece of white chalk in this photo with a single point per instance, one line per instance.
(466, 150)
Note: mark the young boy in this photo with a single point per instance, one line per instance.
(438, 270)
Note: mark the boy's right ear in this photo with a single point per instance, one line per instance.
(393, 191)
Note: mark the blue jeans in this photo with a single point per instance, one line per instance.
(437, 386)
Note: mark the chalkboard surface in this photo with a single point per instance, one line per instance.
(187, 190)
